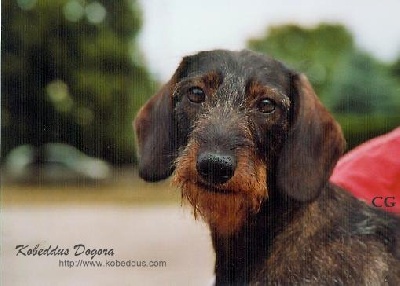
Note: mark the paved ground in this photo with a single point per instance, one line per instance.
(151, 233)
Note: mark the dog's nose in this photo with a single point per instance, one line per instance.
(216, 168)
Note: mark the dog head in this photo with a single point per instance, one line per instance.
(227, 122)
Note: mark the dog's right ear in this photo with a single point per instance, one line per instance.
(156, 132)
(156, 136)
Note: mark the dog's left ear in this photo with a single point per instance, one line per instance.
(314, 144)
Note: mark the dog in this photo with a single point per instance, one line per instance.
(252, 148)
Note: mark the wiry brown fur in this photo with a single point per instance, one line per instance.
(274, 217)
(227, 206)
(334, 251)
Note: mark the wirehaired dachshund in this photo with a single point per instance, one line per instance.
(252, 148)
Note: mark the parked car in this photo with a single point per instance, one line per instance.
(58, 163)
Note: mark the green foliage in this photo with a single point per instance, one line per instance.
(358, 128)
(363, 85)
(395, 69)
(314, 51)
(362, 92)
(69, 75)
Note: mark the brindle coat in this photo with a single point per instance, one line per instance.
(252, 149)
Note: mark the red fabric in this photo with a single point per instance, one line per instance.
(372, 170)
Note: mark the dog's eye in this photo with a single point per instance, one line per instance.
(266, 106)
(196, 94)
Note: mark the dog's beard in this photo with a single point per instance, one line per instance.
(225, 207)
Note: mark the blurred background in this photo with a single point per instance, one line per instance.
(75, 72)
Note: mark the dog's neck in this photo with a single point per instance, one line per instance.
(238, 255)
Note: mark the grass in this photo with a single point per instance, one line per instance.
(125, 187)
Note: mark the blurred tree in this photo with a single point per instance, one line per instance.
(314, 51)
(395, 69)
(363, 85)
(71, 73)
